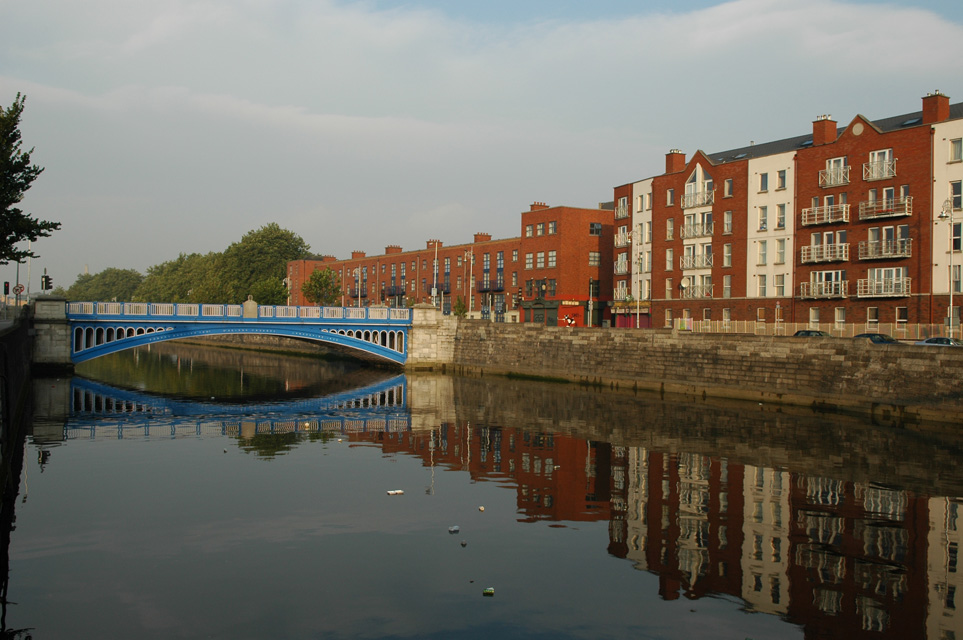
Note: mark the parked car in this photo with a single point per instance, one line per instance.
(878, 338)
(942, 342)
(812, 333)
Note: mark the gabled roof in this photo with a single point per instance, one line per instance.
(892, 123)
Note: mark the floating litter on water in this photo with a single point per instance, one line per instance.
(395, 492)
(490, 591)
(464, 544)
(453, 529)
(481, 508)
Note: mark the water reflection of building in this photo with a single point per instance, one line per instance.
(945, 580)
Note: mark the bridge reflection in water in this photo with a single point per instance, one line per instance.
(99, 410)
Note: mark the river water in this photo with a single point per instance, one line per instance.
(188, 492)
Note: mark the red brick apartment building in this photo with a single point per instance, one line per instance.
(553, 274)
(854, 226)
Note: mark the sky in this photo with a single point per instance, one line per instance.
(177, 126)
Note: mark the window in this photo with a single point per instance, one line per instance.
(514, 278)
(956, 150)
(872, 316)
(727, 222)
(727, 188)
(781, 251)
(669, 197)
(840, 316)
(764, 182)
(726, 286)
(669, 258)
(540, 260)
(552, 228)
(956, 195)
(727, 255)
(529, 262)
(540, 229)
(595, 258)
(814, 317)
(514, 255)
(762, 286)
(551, 287)
(528, 231)
(763, 218)
(780, 285)
(780, 216)
(781, 179)
(669, 228)
(640, 203)
(668, 318)
(763, 249)
(902, 316)
(595, 228)
(551, 259)
(668, 289)
(648, 231)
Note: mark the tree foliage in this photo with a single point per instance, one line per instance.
(188, 278)
(260, 255)
(460, 309)
(16, 176)
(322, 288)
(109, 284)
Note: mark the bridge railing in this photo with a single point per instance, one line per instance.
(169, 310)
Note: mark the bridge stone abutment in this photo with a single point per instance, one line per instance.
(51, 334)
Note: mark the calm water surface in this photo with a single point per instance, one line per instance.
(199, 493)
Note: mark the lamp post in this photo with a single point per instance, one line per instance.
(946, 213)
(590, 303)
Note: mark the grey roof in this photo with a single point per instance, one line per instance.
(891, 123)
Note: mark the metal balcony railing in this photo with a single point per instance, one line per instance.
(825, 253)
(698, 199)
(834, 177)
(879, 170)
(481, 286)
(697, 261)
(621, 211)
(902, 248)
(623, 240)
(824, 289)
(886, 288)
(886, 208)
(825, 214)
(621, 268)
(697, 291)
(697, 230)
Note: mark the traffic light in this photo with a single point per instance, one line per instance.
(6, 287)
(46, 282)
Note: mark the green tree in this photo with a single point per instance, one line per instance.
(260, 255)
(460, 309)
(109, 284)
(269, 291)
(188, 278)
(16, 177)
(323, 288)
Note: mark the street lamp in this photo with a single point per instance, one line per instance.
(946, 213)
(590, 303)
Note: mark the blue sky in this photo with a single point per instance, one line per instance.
(176, 126)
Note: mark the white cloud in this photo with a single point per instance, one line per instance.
(221, 116)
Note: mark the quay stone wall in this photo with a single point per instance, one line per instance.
(901, 383)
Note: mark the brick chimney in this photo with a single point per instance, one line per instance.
(824, 130)
(674, 161)
(329, 259)
(433, 243)
(356, 255)
(483, 237)
(392, 248)
(535, 207)
(936, 107)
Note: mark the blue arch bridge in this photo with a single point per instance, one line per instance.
(378, 334)
(102, 411)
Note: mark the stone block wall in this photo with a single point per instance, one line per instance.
(909, 381)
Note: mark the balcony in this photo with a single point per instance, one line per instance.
(824, 289)
(825, 214)
(697, 230)
(621, 267)
(621, 211)
(620, 295)
(443, 287)
(623, 240)
(882, 250)
(354, 291)
(393, 290)
(879, 170)
(698, 199)
(482, 286)
(886, 208)
(886, 288)
(697, 291)
(834, 177)
(697, 261)
(836, 252)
